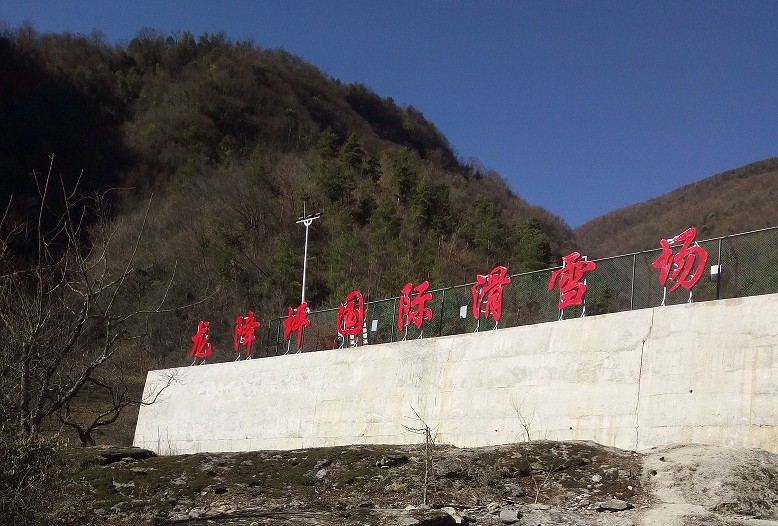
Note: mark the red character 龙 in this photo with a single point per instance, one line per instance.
(201, 347)
(571, 279)
(244, 333)
(487, 293)
(414, 310)
(296, 321)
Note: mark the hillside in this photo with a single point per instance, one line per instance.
(735, 201)
(234, 141)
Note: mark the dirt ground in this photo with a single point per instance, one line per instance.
(528, 483)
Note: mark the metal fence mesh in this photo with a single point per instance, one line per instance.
(748, 263)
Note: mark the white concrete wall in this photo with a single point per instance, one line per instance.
(705, 372)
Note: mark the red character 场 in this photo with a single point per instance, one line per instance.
(685, 267)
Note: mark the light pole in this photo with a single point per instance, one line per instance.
(306, 219)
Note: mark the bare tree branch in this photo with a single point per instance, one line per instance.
(65, 311)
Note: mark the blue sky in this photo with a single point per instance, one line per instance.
(583, 107)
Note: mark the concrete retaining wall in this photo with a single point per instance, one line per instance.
(704, 372)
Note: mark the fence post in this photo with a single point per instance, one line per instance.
(278, 334)
(632, 285)
(442, 310)
(718, 280)
(391, 322)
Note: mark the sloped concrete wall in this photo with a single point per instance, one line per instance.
(705, 372)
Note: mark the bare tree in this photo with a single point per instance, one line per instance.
(62, 314)
(429, 445)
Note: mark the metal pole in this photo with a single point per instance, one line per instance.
(442, 310)
(305, 260)
(632, 285)
(394, 315)
(718, 280)
(306, 220)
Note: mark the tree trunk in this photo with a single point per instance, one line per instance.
(24, 391)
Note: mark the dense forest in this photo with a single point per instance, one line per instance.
(233, 141)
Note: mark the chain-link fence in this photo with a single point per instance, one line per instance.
(747, 266)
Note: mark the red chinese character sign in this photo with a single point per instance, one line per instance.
(684, 268)
(351, 315)
(201, 347)
(413, 306)
(296, 321)
(245, 327)
(571, 279)
(487, 295)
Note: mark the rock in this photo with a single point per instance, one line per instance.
(321, 474)
(323, 463)
(208, 467)
(458, 518)
(509, 515)
(390, 461)
(111, 454)
(450, 469)
(613, 505)
(596, 478)
(493, 508)
(196, 513)
(467, 518)
(421, 517)
(219, 489)
(515, 490)
(120, 486)
(397, 486)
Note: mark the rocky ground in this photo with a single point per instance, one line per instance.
(530, 483)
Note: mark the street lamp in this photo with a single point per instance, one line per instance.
(306, 219)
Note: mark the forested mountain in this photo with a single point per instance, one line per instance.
(233, 141)
(735, 201)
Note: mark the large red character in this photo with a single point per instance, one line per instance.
(201, 347)
(295, 322)
(351, 314)
(414, 310)
(244, 333)
(571, 278)
(684, 268)
(487, 293)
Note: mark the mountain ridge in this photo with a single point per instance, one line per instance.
(730, 202)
